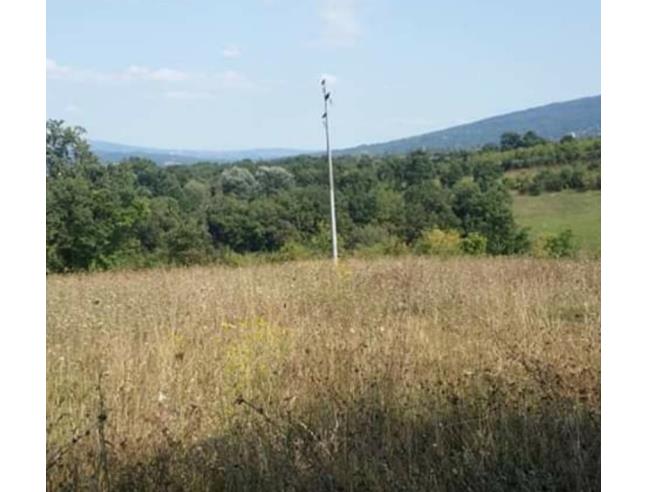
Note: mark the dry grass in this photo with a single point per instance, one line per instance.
(392, 374)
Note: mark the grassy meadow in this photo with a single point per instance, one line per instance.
(407, 373)
(550, 213)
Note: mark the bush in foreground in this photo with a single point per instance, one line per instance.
(561, 245)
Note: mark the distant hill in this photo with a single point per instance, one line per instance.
(580, 116)
(114, 152)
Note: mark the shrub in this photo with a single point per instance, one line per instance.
(367, 236)
(394, 246)
(534, 188)
(519, 241)
(474, 244)
(391, 246)
(292, 251)
(229, 257)
(320, 242)
(561, 245)
(510, 183)
(438, 242)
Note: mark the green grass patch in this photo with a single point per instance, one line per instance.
(550, 213)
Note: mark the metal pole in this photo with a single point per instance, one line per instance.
(330, 164)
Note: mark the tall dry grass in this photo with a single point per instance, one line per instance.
(393, 374)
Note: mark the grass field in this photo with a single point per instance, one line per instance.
(550, 213)
(392, 374)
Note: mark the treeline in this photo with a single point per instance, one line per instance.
(571, 164)
(135, 213)
(579, 178)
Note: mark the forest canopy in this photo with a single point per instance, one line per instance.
(135, 213)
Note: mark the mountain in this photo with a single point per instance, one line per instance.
(114, 152)
(580, 116)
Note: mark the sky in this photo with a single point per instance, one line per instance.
(243, 74)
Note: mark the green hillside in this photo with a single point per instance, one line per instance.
(580, 116)
(551, 213)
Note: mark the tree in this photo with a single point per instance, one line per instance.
(66, 149)
(92, 211)
(486, 174)
(356, 192)
(72, 241)
(92, 225)
(189, 243)
(451, 172)
(137, 213)
(390, 209)
(194, 195)
(428, 206)
(489, 213)
(530, 139)
(510, 141)
(273, 179)
(547, 180)
(490, 147)
(259, 225)
(417, 168)
(238, 181)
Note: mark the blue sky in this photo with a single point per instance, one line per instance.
(245, 74)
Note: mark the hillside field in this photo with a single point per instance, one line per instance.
(407, 373)
(550, 213)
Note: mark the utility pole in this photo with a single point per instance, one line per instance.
(327, 96)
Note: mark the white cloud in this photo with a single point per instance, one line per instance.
(64, 72)
(340, 24)
(72, 108)
(56, 71)
(190, 85)
(231, 51)
(133, 72)
(160, 74)
(231, 79)
(211, 87)
(189, 95)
